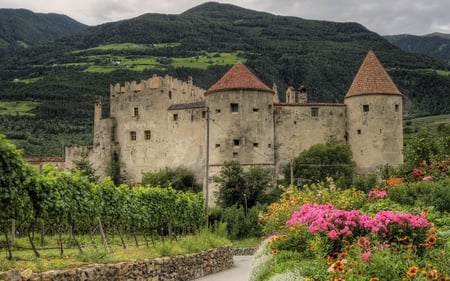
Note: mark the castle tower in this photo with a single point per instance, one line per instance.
(241, 120)
(374, 117)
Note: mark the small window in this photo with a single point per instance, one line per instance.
(314, 111)
(366, 108)
(269, 145)
(136, 111)
(235, 154)
(236, 142)
(255, 109)
(234, 107)
(270, 108)
(133, 135)
(217, 145)
(217, 110)
(170, 95)
(175, 117)
(148, 135)
(359, 132)
(255, 144)
(397, 107)
(203, 114)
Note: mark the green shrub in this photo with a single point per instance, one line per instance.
(365, 182)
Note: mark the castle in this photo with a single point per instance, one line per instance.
(164, 122)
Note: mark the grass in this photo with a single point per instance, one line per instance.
(131, 46)
(443, 72)
(412, 126)
(50, 258)
(105, 63)
(29, 80)
(17, 107)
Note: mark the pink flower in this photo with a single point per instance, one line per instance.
(384, 246)
(365, 256)
(428, 178)
(418, 173)
(377, 194)
(333, 234)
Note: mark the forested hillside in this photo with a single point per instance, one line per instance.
(436, 45)
(20, 28)
(59, 82)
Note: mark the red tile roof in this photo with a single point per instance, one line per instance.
(372, 78)
(239, 77)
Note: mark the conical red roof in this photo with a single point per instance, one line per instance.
(372, 78)
(239, 77)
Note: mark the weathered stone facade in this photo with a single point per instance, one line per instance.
(162, 122)
(177, 268)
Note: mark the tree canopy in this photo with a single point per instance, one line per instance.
(332, 159)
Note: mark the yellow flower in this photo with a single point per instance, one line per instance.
(275, 251)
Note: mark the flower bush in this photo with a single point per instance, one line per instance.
(323, 233)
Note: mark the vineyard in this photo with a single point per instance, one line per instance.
(65, 206)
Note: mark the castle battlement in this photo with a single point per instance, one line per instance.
(157, 82)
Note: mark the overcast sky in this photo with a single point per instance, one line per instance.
(385, 17)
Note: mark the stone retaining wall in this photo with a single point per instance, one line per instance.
(243, 251)
(177, 268)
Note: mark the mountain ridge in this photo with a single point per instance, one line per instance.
(436, 45)
(62, 79)
(21, 28)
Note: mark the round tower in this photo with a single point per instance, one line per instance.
(241, 124)
(374, 117)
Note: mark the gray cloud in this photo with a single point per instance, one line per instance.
(382, 16)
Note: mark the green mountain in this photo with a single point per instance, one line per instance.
(21, 28)
(47, 93)
(436, 45)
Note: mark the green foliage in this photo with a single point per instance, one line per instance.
(85, 167)
(68, 202)
(245, 189)
(116, 170)
(321, 161)
(435, 194)
(238, 224)
(365, 182)
(428, 151)
(179, 178)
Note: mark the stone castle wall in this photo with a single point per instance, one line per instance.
(158, 123)
(299, 126)
(177, 268)
(375, 130)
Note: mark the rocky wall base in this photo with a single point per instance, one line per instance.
(177, 268)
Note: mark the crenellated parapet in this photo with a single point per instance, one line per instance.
(157, 82)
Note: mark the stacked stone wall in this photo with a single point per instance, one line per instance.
(177, 268)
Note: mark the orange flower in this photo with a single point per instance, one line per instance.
(431, 240)
(363, 242)
(275, 251)
(433, 231)
(412, 271)
(374, 279)
(403, 238)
